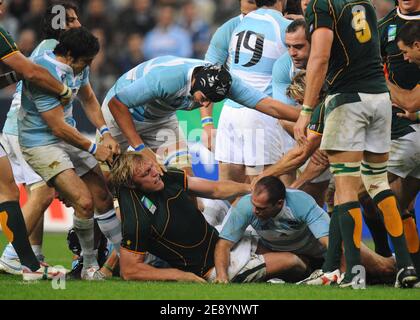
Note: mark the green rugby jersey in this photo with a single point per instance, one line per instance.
(400, 72)
(7, 44)
(168, 225)
(355, 62)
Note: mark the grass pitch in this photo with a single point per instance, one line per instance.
(55, 249)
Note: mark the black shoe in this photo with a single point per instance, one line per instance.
(75, 273)
(406, 278)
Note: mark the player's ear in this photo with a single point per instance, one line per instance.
(280, 203)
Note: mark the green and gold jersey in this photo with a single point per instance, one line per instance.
(355, 62)
(168, 225)
(400, 72)
(7, 44)
(316, 126)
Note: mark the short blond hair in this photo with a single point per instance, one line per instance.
(296, 89)
(122, 170)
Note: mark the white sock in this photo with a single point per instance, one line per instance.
(84, 231)
(9, 252)
(110, 226)
(37, 249)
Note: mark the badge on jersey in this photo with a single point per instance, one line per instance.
(148, 204)
(392, 32)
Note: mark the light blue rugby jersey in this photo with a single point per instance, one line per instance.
(295, 229)
(255, 46)
(218, 51)
(157, 88)
(33, 130)
(11, 124)
(283, 73)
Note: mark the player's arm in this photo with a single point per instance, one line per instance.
(216, 189)
(209, 131)
(316, 71)
(37, 74)
(407, 99)
(278, 109)
(125, 121)
(292, 160)
(315, 218)
(222, 260)
(255, 99)
(54, 118)
(93, 112)
(311, 172)
(133, 268)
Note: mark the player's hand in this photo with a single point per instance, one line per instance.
(320, 158)
(109, 141)
(103, 153)
(258, 178)
(300, 129)
(191, 277)
(221, 280)
(147, 152)
(408, 115)
(208, 137)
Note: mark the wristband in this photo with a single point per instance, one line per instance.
(206, 121)
(92, 148)
(139, 148)
(66, 93)
(104, 129)
(306, 111)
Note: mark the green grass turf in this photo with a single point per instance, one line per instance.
(55, 249)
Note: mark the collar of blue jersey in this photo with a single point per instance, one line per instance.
(51, 57)
(410, 16)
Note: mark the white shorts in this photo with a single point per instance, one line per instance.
(49, 161)
(358, 122)
(249, 137)
(22, 172)
(161, 135)
(245, 266)
(404, 158)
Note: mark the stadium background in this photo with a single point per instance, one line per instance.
(130, 32)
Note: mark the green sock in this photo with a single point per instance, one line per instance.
(376, 226)
(333, 255)
(351, 230)
(14, 228)
(387, 204)
(412, 238)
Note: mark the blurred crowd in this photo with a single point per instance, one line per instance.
(132, 31)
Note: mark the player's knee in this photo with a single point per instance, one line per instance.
(375, 178)
(85, 205)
